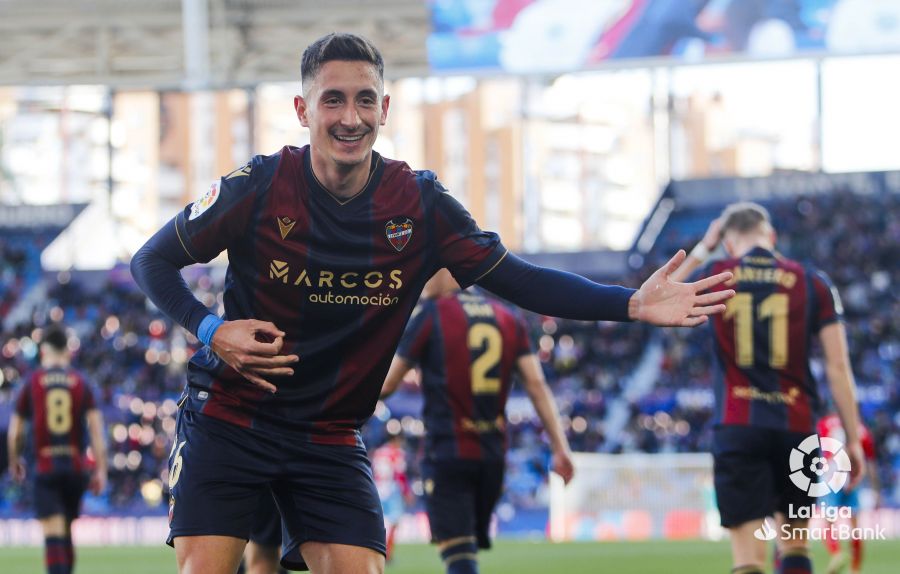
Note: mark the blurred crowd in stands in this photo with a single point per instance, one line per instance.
(136, 358)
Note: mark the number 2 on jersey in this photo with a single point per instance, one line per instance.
(775, 308)
(487, 336)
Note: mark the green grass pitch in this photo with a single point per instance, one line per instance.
(507, 557)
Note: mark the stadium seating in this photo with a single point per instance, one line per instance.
(136, 358)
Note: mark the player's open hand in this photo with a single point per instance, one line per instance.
(253, 349)
(662, 301)
(857, 464)
(561, 464)
(17, 471)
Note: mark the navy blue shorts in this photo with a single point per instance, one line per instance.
(59, 493)
(460, 496)
(267, 524)
(218, 472)
(752, 472)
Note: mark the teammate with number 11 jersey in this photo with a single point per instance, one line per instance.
(766, 397)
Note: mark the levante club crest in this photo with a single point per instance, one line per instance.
(399, 232)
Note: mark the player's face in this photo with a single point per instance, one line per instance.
(343, 109)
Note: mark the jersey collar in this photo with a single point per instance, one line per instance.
(375, 169)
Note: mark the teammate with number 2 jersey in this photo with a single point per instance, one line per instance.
(468, 347)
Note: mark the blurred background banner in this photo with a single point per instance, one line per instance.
(540, 36)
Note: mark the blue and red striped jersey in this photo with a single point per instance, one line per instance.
(340, 277)
(763, 341)
(467, 346)
(56, 401)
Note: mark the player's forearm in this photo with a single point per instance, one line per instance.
(843, 392)
(156, 268)
(700, 253)
(556, 293)
(546, 409)
(98, 441)
(398, 369)
(840, 379)
(13, 440)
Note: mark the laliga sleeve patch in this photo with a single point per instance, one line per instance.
(205, 202)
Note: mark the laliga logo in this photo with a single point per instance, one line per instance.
(819, 465)
(765, 532)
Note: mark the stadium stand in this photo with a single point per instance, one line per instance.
(135, 357)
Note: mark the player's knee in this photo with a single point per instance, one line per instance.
(460, 556)
(54, 525)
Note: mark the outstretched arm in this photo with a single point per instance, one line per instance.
(659, 301)
(542, 399)
(843, 391)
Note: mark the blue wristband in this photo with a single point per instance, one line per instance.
(207, 328)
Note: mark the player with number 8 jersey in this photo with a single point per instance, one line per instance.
(60, 405)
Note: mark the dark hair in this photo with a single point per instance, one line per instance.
(55, 336)
(339, 46)
(744, 217)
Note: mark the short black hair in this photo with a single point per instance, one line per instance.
(56, 337)
(339, 46)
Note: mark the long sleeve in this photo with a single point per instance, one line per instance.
(556, 293)
(156, 268)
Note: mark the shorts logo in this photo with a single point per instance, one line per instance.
(765, 532)
(205, 202)
(816, 474)
(285, 224)
(399, 232)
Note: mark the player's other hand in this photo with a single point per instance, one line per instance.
(97, 483)
(857, 464)
(713, 234)
(662, 301)
(561, 464)
(17, 471)
(253, 349)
